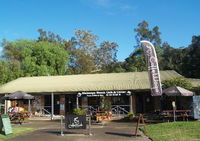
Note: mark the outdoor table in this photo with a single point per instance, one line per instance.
(19, 116)
(185, 114)
(103, 115)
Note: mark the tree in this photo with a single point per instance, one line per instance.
(9, 71)
(136, 61)
(179, 81)
(86, 56)
(192, 59)
(106, 55)
(144, 33)
(37, 58)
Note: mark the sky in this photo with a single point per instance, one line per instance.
(111, 20)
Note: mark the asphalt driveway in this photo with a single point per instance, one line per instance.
(109, 131)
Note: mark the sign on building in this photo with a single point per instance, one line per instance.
(153, 69)
(196, 107)
(104, 93)
(75, 121)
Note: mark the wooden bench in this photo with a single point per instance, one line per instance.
(19, 116)
(185, 114)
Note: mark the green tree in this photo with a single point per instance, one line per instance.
(106, 55)
(9, 71)
(89, 57)
(136, 61)
(179, 81)
(37, 58)
(192, 59)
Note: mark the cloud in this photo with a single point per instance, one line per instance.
(103, 3)
(112, 7)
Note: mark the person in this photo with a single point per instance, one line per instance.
(10, 109)
(16, 109)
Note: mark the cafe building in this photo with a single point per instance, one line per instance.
(58, 95)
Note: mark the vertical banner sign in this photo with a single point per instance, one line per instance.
(153, 69)
(196, 107)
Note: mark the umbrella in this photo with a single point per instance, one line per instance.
(177, 91)
(19, 95)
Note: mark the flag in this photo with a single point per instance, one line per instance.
(153, 69)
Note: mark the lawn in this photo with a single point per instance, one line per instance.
(16, 131)
(174, 131)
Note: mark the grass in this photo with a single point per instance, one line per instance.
(174, 131)
(16, 131)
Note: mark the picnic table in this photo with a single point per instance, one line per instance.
(103, 115)
(185, 114)
(19, 116)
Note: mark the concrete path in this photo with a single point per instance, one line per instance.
(109, 131)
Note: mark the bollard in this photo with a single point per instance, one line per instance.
(61, 126)
(89, 128)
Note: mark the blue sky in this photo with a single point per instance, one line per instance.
(112, 20)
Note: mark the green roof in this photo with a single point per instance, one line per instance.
(84, 82)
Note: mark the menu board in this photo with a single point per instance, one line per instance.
(5, 123)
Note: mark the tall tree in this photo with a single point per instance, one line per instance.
(106, 55)
(136, 61)
(37, 58)
(192, 60)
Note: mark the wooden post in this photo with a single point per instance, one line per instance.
(140, 118)
(131, 103)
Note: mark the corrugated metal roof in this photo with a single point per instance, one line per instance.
(85, 82)
(195, 82)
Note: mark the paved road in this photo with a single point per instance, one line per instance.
(110, 131)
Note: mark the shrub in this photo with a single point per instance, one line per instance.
(131, 115)
(78, 111)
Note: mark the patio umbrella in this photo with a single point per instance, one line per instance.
(177, 91)
(19, 95)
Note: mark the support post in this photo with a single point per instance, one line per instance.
(77, 103)
(29, 105)
(131, 103)
(52, 105)
(5, 107)
(61, 126)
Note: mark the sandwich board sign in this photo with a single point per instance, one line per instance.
(5, 124)
(75, 122)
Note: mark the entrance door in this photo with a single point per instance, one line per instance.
(70, 102)
(47, 104)
(56, 104)
(139, 104)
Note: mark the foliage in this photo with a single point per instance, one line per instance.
(89, 57)
(37, 58)
(179, 81)
(78, 111)
(196, 90)
(105, 104)
(173, 131)
(9, 71)
(136, 61)
(131, 115)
